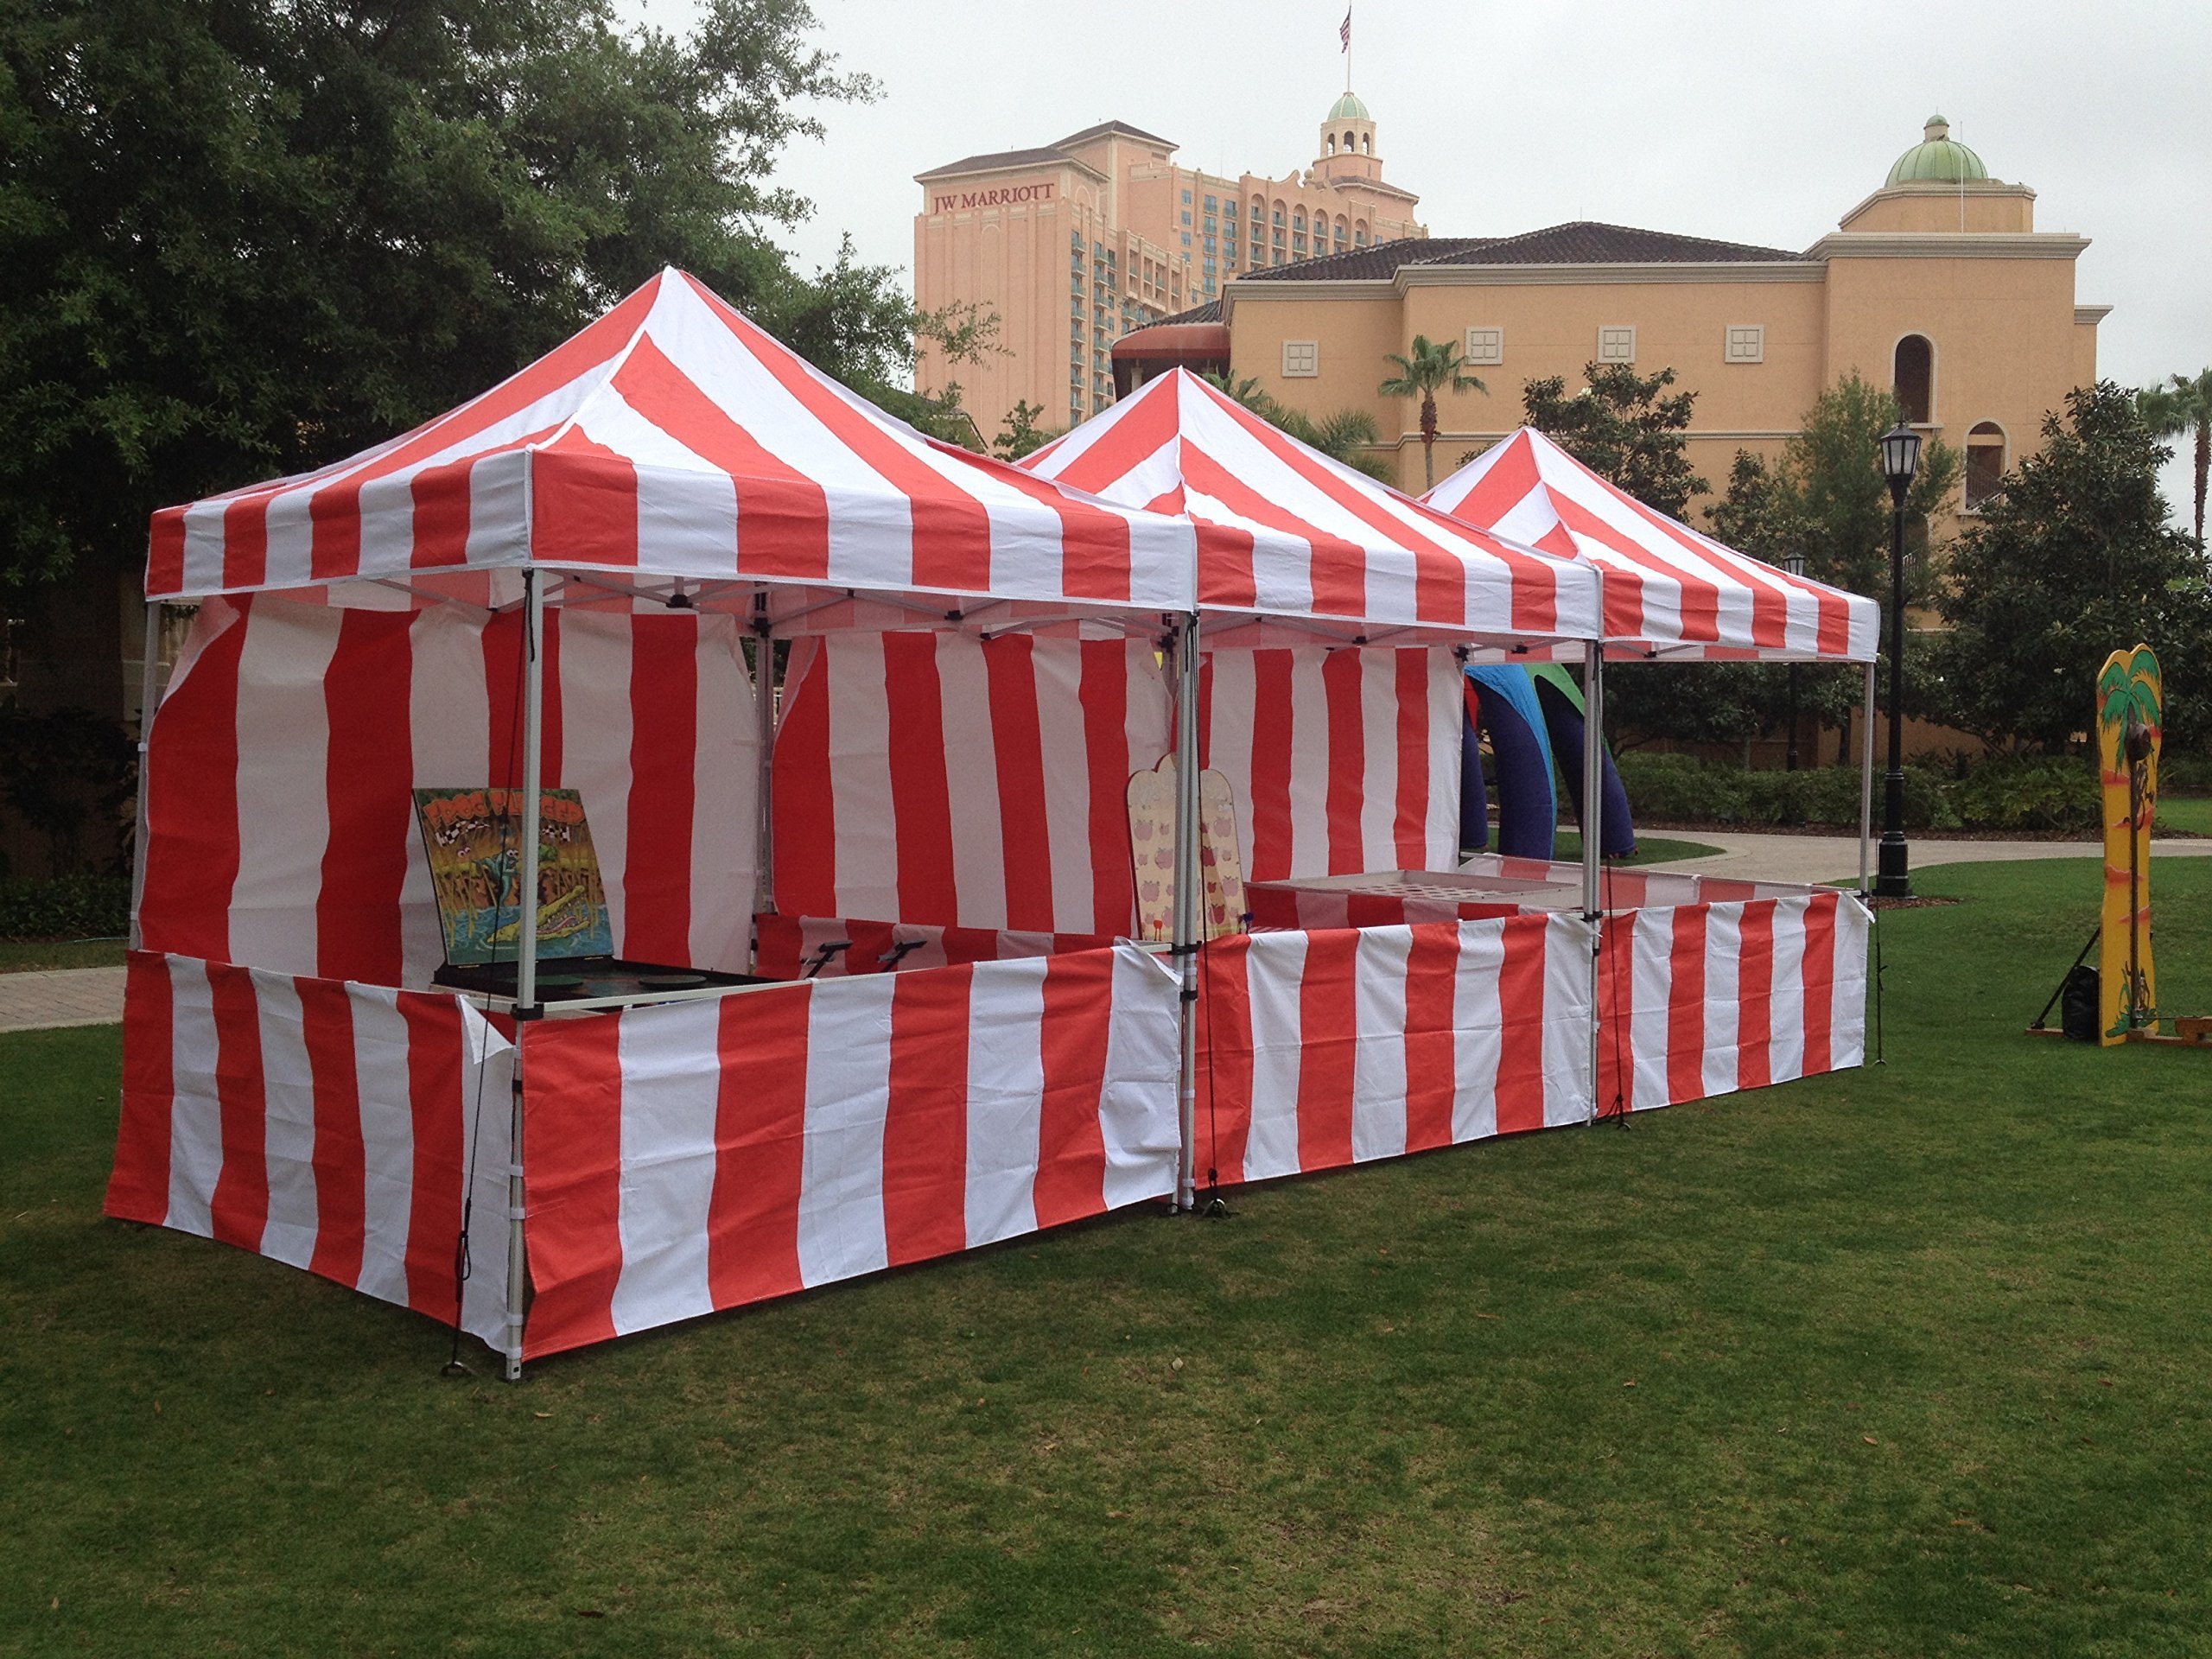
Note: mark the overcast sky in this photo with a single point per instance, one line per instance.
(1759, 123)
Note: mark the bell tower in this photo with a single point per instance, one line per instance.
(1347, 148)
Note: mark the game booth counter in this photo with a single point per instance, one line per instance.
(1698, 985)
(882, 968)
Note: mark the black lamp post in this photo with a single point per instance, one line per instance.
(1795, 564)
(1900, 460)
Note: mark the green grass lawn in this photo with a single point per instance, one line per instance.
(2185, 815)
(1566, 844)
(1907, 1361)
(26, 955)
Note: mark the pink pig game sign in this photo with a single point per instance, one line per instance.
(1152, 845)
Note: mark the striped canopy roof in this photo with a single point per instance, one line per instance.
(673, 438)
(1312, 536)
(1669, 591)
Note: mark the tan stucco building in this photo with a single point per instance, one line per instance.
(1076, 244)
(1938, 284)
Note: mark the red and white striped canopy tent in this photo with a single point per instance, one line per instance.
(1326, 540)
(1670, 592)
(674, 438)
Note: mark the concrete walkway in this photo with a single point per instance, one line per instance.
(94, 996)
(1836, 858)
(63, 996)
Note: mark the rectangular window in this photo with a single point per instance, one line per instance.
(1301, 360)
(1486, 345)
(1186, 198)
(1617, 344)
(1212, 203)
(1186, 215)
(1745, 343)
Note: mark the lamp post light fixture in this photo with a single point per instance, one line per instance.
(1900, 460)
(1795, 564)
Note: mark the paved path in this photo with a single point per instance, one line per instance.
(1836, 858)
(65, 996)
(94, 996)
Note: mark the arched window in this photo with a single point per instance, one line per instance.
(1913, 378)
(1347, 143)
(1984, 462)
(1367, 144)
(1332, 144)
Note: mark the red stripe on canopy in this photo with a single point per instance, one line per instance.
(1326, 541)
(1669, 590)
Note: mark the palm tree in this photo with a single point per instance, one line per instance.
(2184, 404)
(1430, 366)
(1348, 435)
(1246, 392)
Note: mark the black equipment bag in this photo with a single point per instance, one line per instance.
(2077, 1004)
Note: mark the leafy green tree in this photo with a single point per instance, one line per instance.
(1620, 426)
(1020, 436)
(2183, 406)
(238, 239)
(1837, 506)
(1428, 368)
(1826, 500)
(2073, 561)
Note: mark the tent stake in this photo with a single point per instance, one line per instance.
(1189, 900)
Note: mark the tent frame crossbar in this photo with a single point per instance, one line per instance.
(428, 598)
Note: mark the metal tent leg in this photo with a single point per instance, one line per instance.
(526, 1008)
(1593, 830)
(148, 666)
(1190, 904)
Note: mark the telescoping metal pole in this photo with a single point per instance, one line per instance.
(1593, 830)
(150, 664)
(763, 728)
(526, 1008)
(1867, 782)
(1190, 904)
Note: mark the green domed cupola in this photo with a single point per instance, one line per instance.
(1349, 108)
(1937, 159)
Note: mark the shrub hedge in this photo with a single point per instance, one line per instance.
(68, 907)
(2028, 793)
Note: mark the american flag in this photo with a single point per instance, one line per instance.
(1345, 34)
